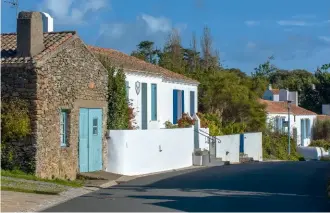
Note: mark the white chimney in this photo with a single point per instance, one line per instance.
(284, 95)
(48, 22)
(269, 87)
(293, 96)
(326, 109)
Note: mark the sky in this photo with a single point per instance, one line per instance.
(245, 32)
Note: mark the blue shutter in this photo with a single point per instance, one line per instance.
(192, 103)
(182, 96)
(175, 106)
(144, 111)
(154, 102)
(302, 128)
(308, 128)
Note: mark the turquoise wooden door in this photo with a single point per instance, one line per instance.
(90, 140)
(83, 140)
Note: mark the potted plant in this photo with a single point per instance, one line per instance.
(200, 158)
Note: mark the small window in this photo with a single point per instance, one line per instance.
(64, 128)
(95, 125)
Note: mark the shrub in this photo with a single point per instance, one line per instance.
(321, 130)
(15, 129)
(321, 143)
(169, 125)
(186, 121)
(15, 120)
(275, 146)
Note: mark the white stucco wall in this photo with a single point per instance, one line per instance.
(136, 152)
(228, 148)
(253, 145)
(164, 98)
(295, 123)
(312, 153)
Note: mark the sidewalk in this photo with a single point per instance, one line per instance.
(30, 202)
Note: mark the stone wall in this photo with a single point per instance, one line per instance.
(20, 82)
(71, 79)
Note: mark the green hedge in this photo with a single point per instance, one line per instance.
(275, 146)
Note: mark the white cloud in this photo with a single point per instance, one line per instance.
(325, 38)
(160, 24)
(292, 23)
(252, 23)
(113, 30)
(72, 11)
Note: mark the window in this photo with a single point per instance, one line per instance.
(192, 103)
(64, 128)
(153, 102)
(95, 126)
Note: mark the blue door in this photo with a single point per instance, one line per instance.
(90, 140)
(241, 143)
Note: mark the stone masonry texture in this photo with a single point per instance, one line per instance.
(60, 82)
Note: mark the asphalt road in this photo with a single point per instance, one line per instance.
(276, 187)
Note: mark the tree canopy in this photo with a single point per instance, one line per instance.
(230, 94)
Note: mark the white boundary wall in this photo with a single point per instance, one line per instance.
(136, 152)
(253, 145)
(312, 153)
(228, 148)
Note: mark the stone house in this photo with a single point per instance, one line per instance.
(65, 86)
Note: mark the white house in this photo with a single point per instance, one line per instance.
(157, 94)
(301, 120)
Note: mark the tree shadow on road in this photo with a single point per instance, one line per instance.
(241, 203)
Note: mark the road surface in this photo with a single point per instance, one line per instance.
(275, 187)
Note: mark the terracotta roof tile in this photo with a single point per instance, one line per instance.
(280, 107)
(275, 91)
(52, 40)
(130, 62)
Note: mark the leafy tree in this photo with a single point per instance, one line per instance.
(146, 51)
(172, 57)
(264, 70)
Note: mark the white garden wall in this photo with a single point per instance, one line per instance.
(164, 98)
(136, 152)
(312, 153)
(253, 145)
(228, 148)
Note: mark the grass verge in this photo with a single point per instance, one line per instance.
(14, 189)
(22, 175)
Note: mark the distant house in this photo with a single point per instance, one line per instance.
(280, 95)
(301, 120)
(157, 94)
(66, 89)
